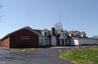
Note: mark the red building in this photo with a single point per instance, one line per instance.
(22, 38)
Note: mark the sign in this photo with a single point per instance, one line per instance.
(25, 37)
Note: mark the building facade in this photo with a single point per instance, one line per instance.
(22, 38)
(33, 38)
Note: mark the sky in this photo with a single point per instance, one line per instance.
(79, 15)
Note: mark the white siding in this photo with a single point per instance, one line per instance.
(41, 41)
(53, 41)
(76, 42)
(81, 41)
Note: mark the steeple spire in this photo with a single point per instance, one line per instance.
(60, 19)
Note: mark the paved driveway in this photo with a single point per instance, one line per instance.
(39, 56)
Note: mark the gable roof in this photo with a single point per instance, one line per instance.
(37, 32)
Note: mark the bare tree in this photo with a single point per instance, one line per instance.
(83, 34)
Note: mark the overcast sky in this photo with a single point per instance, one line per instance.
(79, 15)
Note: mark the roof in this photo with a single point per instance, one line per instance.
(37, 32)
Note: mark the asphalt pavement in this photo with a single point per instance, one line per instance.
(37, 56)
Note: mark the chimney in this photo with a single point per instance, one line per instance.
(52, 31)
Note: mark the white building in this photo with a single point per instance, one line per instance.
(84, 41)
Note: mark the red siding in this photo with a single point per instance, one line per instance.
(21, 39)
(5, 42)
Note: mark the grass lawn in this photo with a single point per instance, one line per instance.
(81, 56)
(24, 49)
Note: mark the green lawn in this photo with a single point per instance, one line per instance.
(26, 49)
(81, 56)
